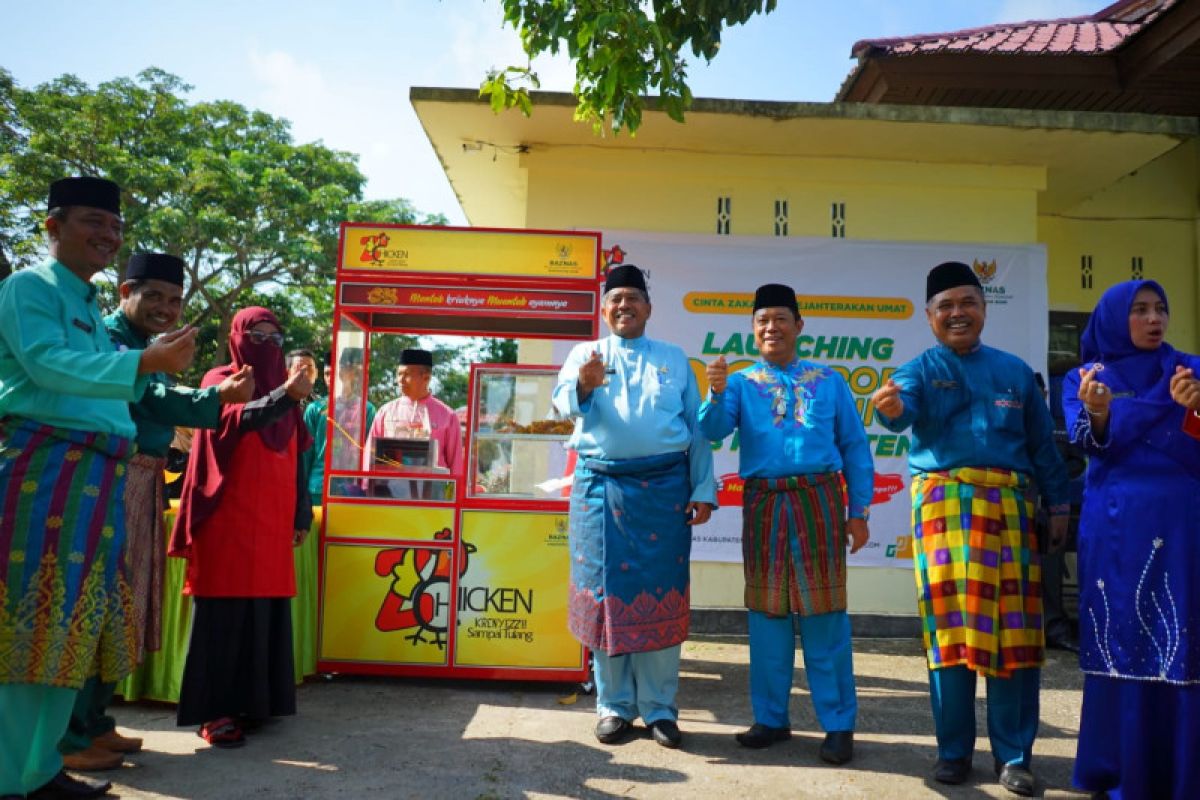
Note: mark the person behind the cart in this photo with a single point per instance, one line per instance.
(348, 427)
(644, 474)
(414, 431)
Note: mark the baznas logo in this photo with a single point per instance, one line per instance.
(373, 246)
(563, 250)
(985, 270)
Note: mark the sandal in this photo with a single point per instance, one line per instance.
(223, 732)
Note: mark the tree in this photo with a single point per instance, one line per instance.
(254, 214)
(621, 50)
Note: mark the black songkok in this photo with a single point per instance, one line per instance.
(775, 295)
(85, 191)
(950, 275)
(625, 276)
(155, 266)
(416, 358)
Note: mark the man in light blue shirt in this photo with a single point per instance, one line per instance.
(644, 475)
(800, 434)
(67, 436)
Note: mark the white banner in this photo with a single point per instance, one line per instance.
(863, 305)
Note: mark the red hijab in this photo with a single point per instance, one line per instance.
(212, 450)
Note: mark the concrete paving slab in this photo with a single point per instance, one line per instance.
(357, 737)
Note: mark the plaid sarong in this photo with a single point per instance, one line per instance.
(794, 544)
(979, 578)
(64, 603)
(145, 547)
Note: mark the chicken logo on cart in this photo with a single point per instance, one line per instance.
(419, 597)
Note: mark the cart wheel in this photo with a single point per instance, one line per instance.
(587, 687)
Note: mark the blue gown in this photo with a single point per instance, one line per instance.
(1139, 569)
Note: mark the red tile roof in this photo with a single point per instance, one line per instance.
(1090, 35)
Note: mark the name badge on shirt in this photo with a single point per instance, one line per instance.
(83, 326)
(1009, 398)
(939, 384)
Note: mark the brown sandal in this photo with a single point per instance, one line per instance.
(223, 732)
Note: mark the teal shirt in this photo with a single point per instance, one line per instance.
(313, 459)
(163, 405)
(982, 409)
(57, 365)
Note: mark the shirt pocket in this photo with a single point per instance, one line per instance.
(666, 391)
(948, 401)
(1007, 411)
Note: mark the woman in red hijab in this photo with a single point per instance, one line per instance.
(245, 505)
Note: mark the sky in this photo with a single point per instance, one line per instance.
(341, 72)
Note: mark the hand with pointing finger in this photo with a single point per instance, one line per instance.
(887, 400)
(718, 375)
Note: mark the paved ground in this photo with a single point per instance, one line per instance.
(397, 738)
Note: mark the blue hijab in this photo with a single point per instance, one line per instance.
(1106, 341)
(1139, 379)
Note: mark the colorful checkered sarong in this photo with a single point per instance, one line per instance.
(65, 605)
(794, 544)
(979, 578)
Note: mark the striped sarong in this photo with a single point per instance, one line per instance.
(145, 547)
(794, 544)
(65, 605)
(979, 577)
(630, 553)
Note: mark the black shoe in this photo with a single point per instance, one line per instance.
(612, 730)
(952, 771)
(838, 747)
(666, 733)
(760, 736)
(65, 787)
(1016, 779)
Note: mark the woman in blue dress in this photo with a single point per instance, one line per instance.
(1139, 551)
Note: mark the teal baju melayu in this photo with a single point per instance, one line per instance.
(161, 407)
(64, 396)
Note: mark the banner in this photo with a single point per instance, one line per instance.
(863, 305)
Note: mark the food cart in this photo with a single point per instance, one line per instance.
(424, 572)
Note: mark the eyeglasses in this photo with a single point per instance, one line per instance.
(258, 337)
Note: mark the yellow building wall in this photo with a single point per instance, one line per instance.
(1151, 214)
(888, 201)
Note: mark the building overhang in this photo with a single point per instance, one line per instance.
(487, 156)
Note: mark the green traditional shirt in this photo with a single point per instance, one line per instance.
(57, 365)
(164, 405)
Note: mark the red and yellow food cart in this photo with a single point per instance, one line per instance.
(435, 574)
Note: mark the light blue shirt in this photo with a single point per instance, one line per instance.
(57, 364)
(794, 420)
(647, 407)
(979, 410)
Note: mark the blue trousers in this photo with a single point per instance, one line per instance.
(828, 661)
(32, 720)
(1012, 713)
(638, 685)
